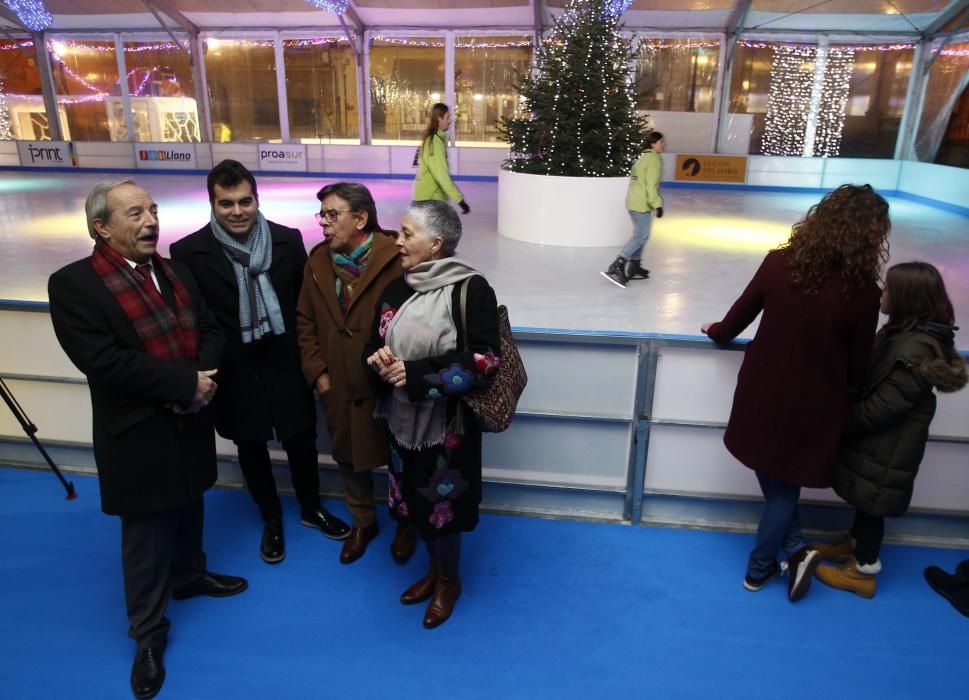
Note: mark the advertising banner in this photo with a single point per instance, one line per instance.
(289, 157)
(165, 156)
(47, 154)
(698, 168)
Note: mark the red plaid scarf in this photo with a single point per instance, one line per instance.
(166, 335)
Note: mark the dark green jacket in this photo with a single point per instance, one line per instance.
(885, 438)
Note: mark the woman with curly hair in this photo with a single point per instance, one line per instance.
(805, 366)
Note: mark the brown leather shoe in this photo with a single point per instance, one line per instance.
(404, 544)
(446, 594)
(422, 590)
(356, 544)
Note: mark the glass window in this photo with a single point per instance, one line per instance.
(948, 77)
(955, 144)
(876, 99)
(750, 79)
(406, 78)
(22, 113)
(321, 90)
(677, 75)
(486, 69)
(85, 77)
(241, 76)
(163, 105)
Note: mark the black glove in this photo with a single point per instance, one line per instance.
(463, 205)
(659, 212)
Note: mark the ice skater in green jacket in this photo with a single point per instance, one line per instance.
(643, 202)
(433, 177)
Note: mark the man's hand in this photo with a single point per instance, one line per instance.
(205, 387)
(323, 384)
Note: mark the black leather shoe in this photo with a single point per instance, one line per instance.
(327, 523)
(148, 672)
(211, 584)
(356, 544)
(273, 546)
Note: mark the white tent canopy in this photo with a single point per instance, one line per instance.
(866, 20)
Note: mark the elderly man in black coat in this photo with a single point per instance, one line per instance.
(250, 271)
(137, 327)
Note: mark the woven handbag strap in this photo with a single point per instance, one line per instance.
(464, 310)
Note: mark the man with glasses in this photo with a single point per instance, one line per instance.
(250, 271)
(345, 276)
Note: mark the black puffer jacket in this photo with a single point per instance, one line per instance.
(886, 433)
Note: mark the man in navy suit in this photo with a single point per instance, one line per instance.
(136, 325)
(250, 271)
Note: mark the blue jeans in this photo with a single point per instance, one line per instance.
(780, 526)
(642, 221)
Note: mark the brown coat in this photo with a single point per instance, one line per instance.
(328, 342)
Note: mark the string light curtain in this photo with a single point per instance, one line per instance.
(807, 99)
(33, 14)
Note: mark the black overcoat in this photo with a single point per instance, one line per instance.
(148, 458)
(261, 385)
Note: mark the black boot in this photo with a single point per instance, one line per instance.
(955, 589)
(635, 271)
(272, 549)
(617, 272)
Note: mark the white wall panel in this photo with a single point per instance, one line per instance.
(402, 160)
(880, 174)
(695, 385)
(568, 453)
(102, 154)
(484, 161)
(30, 347)
(356, 159)
(243, 151)
(579, 379)
(60, 411)
(940, 182)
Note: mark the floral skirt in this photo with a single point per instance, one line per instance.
(437, 489)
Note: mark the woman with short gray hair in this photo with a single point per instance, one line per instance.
(434, 338)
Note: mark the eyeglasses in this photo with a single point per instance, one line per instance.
(330, 215)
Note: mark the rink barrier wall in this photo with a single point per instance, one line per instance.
(940, 186)
(635, 438)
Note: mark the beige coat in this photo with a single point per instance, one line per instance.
(330, 343)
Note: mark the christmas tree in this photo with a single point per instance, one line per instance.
(580, 116)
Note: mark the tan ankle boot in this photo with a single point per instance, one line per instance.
(839, 550)
(446, 594)
(847, 578)
(420, 590)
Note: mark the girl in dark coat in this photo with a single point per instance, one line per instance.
(886, 433)
(819, 297)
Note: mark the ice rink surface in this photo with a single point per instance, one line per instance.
(701, 253)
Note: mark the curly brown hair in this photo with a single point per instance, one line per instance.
(846, 232)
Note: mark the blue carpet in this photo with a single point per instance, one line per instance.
(550, 609)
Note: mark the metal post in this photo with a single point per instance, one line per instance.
(46, 74)
(126, 106)
(722, 89)
(450, 97)
(281, 88)
(365, 98)
(642, 417)
(201, 85)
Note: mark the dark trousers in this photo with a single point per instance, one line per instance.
(868, 531)
(358, 494)
(159, 551)
(303, 467)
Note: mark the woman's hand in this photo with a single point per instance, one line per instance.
(390, 369)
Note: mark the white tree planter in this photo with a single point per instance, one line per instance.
(581, 212)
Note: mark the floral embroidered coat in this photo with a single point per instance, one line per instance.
(438, 488)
